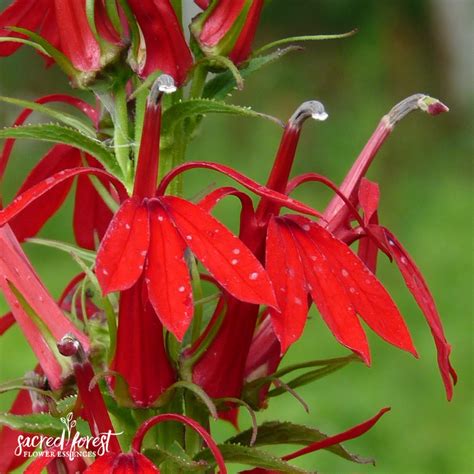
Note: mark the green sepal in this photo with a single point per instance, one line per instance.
(276, 433)
(223, 84)
(235, 453)
(297, 39)
(58, 134)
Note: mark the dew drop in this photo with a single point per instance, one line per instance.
(352, 289)
(127, 226)
(298, 301)
(143, 253)
(404, 260)
(189, 237)
(181, 289)
(49, 180)
(105, 272)
(234, 261)
(253, 276)
(391, 242)
(236, 251)
(160, 218)
(345, 273)
(306, 227)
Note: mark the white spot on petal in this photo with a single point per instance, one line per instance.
(181, 289)
(352, 289)
(189, 237)
(234, 261)
(253, 276)
(404, 260)
(236, 251)
(105, 272)
(306, 227)
(127, 226)
(345, 273)
(160, 218)
(298, 301)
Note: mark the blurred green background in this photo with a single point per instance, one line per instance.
(425, 173)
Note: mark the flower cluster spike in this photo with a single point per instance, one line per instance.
(175, 318)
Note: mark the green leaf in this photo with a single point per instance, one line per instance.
(198, 107)
(66, 118)
(58, 134)
(177, 458)
(33, 423)
(234, 453)
(66, 405)
(223, 84)
(276, 432)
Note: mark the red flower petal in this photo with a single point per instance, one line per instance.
(420, 291)
(16, 270)
(77, 40)
(369, 196)
(23, 13)
(141, 356)
(351, 433)
(220, 21)
(91, 215)
(243, 46)
(166, 47)
(123, 463)
(329, 295)
(369, 298)
(35, 192)
(167, 275)
(222, 253)
(29, 222)
(122, 253)
(6, 322)
(285, 269)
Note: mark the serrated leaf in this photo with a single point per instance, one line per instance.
(235, 453)
(197, 107)
(64, 117)
(58, 134)
(33, 423)
(221, 85)
(276, 432)
(66, 405)
(178, 458)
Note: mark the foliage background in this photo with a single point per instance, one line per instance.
(425, 172)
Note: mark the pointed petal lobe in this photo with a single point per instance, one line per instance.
(167, 275)
(222, 253)
(285, 269)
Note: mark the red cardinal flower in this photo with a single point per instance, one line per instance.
(65, 26)
(149, 236)
(165, 46)
(361, 192)
(227, 27)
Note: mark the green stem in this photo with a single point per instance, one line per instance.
(121, 136)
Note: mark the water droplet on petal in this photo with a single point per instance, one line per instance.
(345, 273)
(404, 260)
(234, 261)
(127, 226)
(253, 276)
(189, 237)
(105, 272)
(236, 251)
(352, 289)
(160, 218)
(306, 227)
(298, 301)
(49, 180)
(181, 289)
